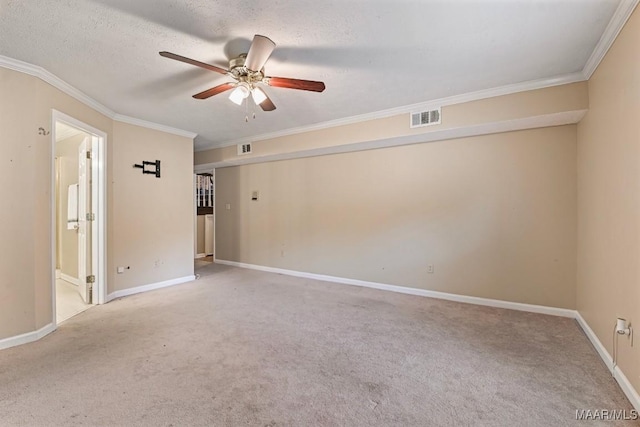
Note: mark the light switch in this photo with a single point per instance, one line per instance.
(227, 206)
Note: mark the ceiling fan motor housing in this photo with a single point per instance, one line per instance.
(237, 62)
(242, 73)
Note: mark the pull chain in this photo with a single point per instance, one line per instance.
(253, 109)
(246, 109)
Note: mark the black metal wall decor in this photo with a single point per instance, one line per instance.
(144, 165)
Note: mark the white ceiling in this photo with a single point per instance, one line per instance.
(372, 54)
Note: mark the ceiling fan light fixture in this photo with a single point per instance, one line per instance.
(247, 70)
(239, 94)
(258, 95)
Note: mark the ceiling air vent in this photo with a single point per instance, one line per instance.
(425, 118)
(244, 149)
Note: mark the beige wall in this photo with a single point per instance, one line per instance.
(25, 186)
(18, 188)
(48, 98)
(495, 215)
(608, 274)
(153, 230)
(501, 109)
(67, 244)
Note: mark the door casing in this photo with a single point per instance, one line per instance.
(202, 169)
(98, 205)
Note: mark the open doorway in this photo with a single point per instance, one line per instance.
(204, 226)
(77, 216)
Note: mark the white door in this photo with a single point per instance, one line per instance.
(84, 226)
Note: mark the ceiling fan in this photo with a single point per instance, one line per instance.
(248, 72)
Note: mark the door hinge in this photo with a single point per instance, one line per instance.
(88, 154)
(91, 217)
(91, 279)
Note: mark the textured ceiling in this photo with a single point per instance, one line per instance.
(373, 55)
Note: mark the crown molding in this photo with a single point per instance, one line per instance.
(427, 105)
(58, 83)
(513, 125)
(55, 81)
(151, 125)
(619, 18)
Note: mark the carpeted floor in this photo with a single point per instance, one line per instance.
(240, 347)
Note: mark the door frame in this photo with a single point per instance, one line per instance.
(99, 203)
(196, 170)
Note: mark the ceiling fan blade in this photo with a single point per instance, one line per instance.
(193, 62)
(259, 52)
(267, 104)
(295, 84)
(214, 90)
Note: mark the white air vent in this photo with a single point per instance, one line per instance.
(244, 149)
(425, 118)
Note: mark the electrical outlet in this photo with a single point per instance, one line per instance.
(228, 206)
(430, 268)
(282, 254)
(120, 270)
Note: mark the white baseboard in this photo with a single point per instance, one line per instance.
(27, 337)
(620, 377)
(70, 279)
(622, 380)
(200, 256)
(554, 311)
(150, 287)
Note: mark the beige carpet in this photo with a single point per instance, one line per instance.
(240, 347)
